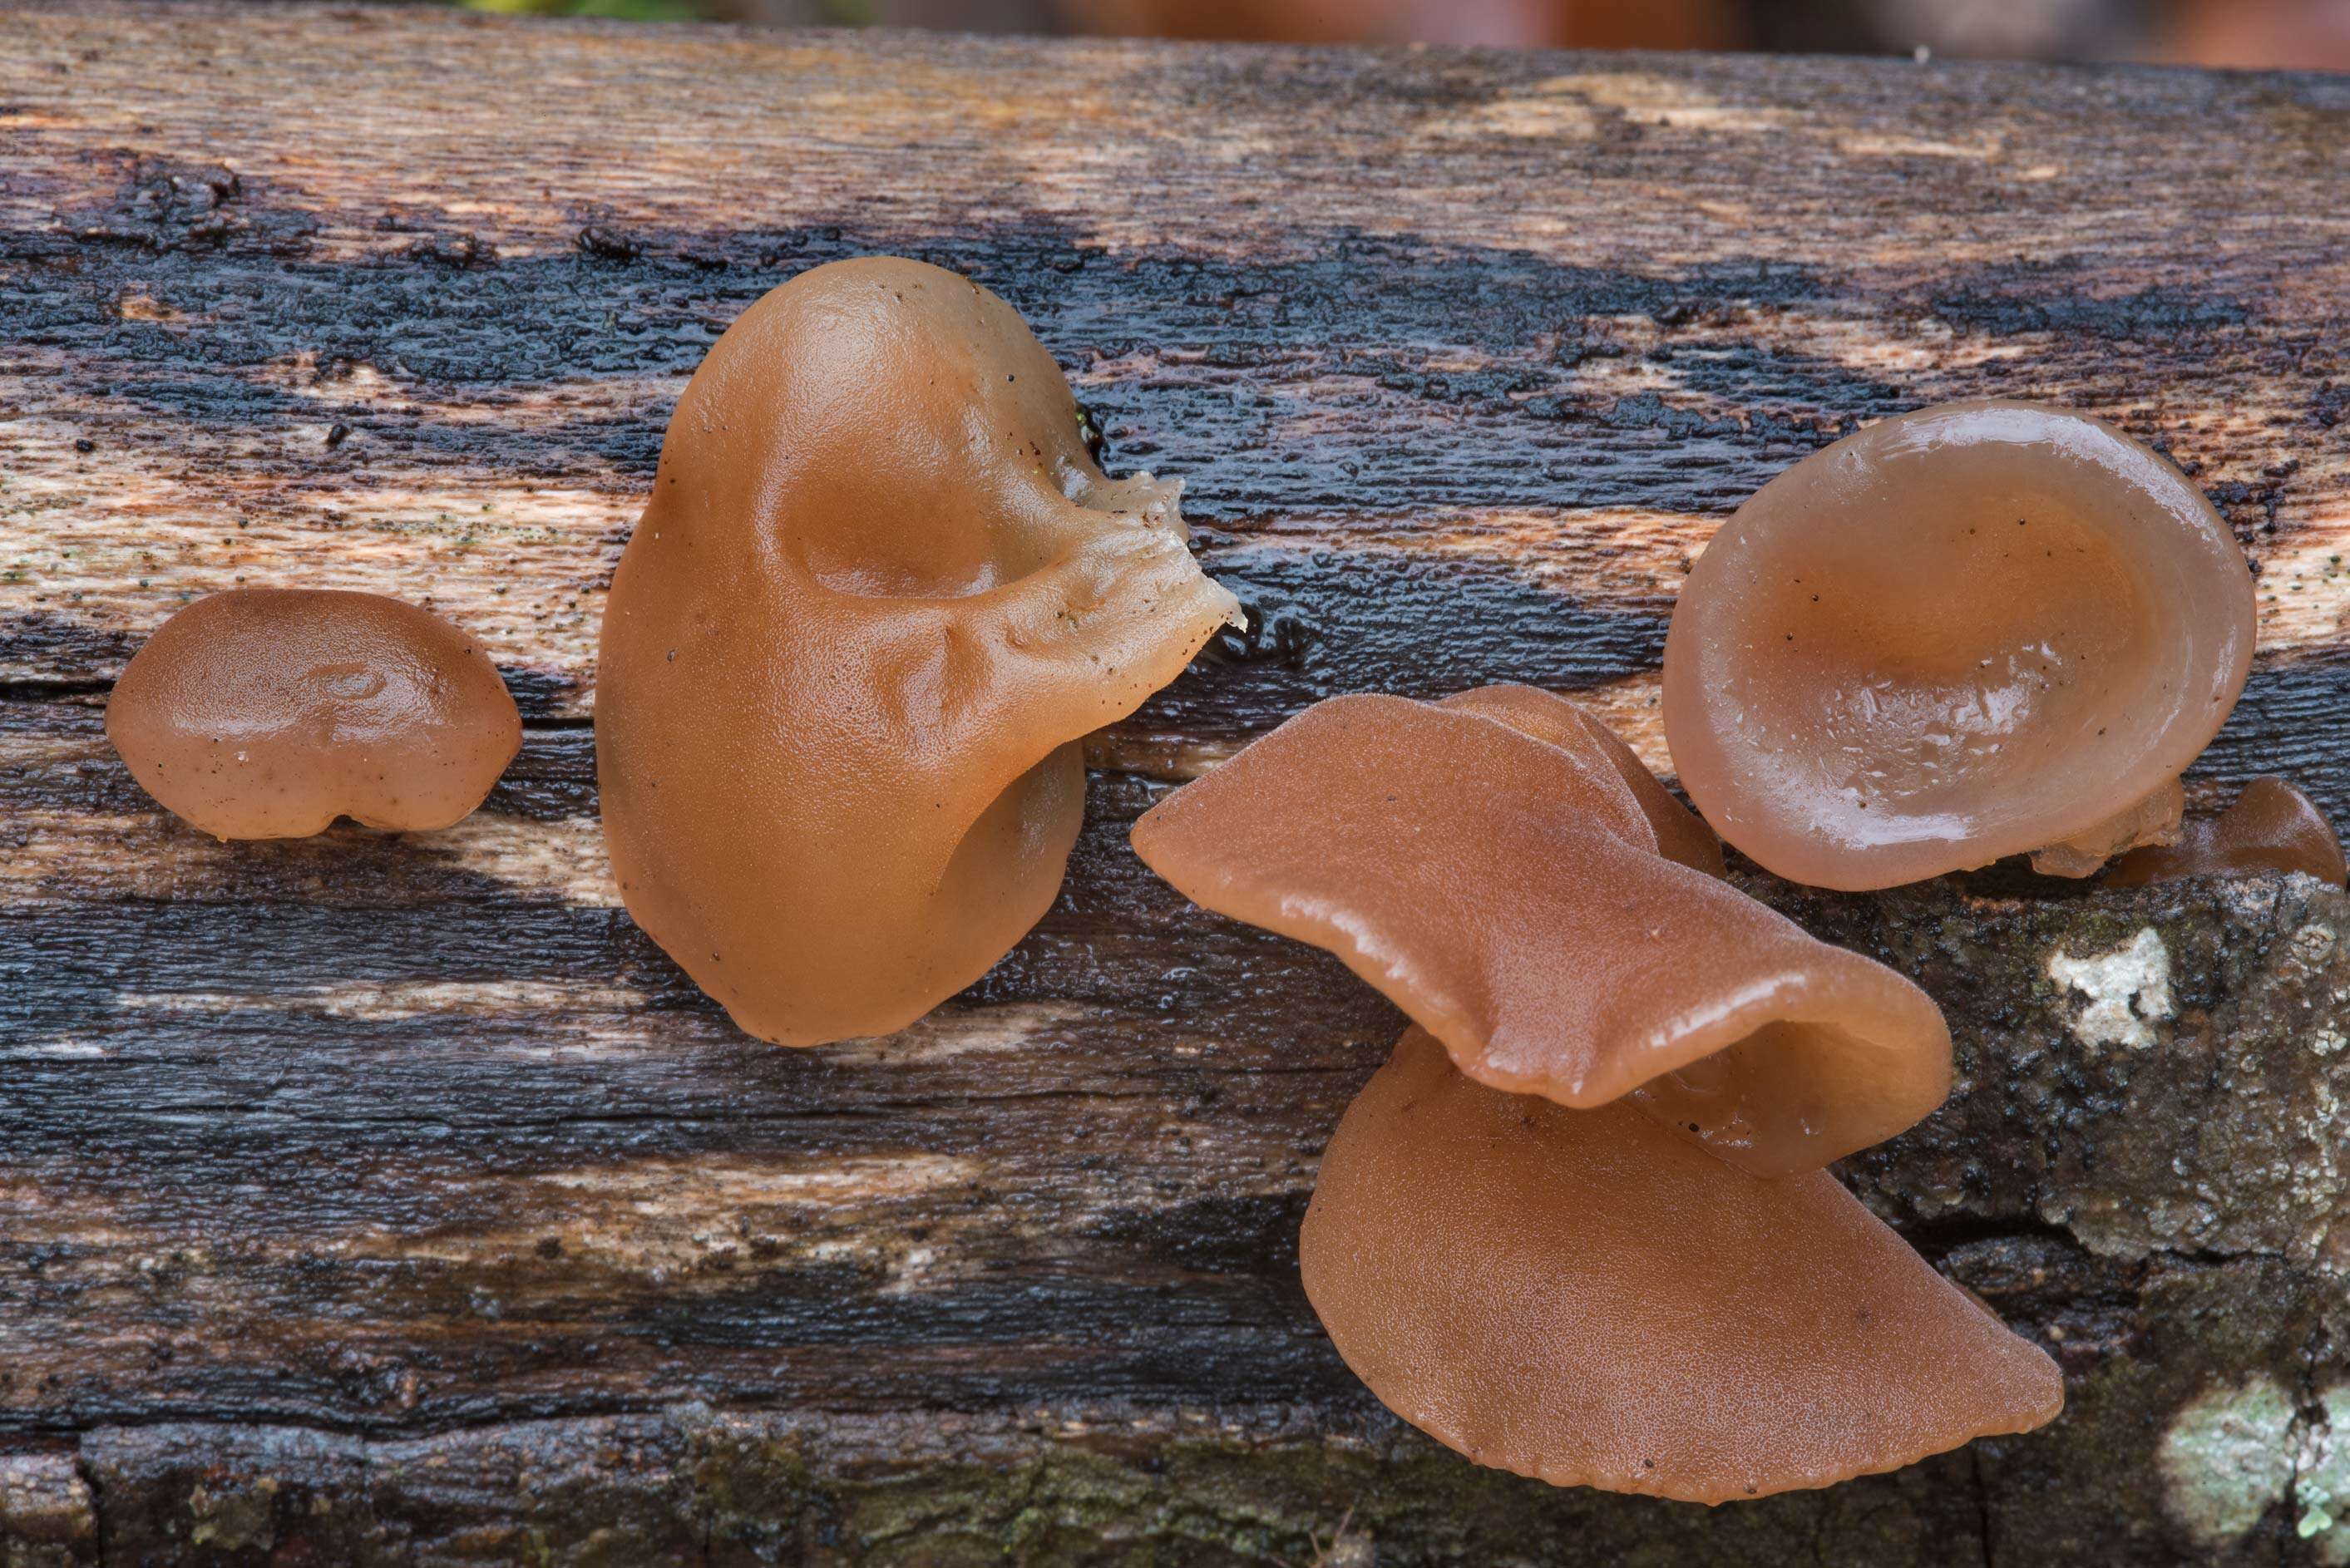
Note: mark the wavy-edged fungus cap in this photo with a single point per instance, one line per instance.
(880, 593)
(1579, 1297)
(1968, 632)
(2272, 826)
(269, 713)
(1506, 890)
(1681, 834)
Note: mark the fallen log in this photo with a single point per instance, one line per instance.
(392, 1199)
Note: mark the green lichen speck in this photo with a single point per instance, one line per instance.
(2228, 1457)
(2325, 1478)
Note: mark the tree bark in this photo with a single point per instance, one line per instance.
(391, 1199)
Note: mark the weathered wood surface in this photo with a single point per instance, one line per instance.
(393, 1199)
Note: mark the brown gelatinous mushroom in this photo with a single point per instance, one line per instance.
(1500, 881)
(269, 713)
(1579, 1297)
(1971, 631)
(1681, 834)
(2272, 826)
(879, 593)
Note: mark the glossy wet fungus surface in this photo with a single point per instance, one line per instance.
(878, 595)
(1972, 631)
(1500, 881)
(269, 713)
(1578, 1296)
(1681, 835)
(2271, 826)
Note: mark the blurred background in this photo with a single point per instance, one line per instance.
(2296, 34)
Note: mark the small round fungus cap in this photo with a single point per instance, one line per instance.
(878, 595)
(1579, 1297)
(1972, 631)
(269, 713)
(1502, 883)
(2272, 826)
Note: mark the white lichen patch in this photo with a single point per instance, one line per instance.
(2128, 992)
(2228, 1457)
(2321, 1491)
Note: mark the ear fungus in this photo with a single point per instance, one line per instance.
(269, 713)
(2272, 826)
(1579, 1297)
(1968, 632)
(1681, 835)
(878, 595)
(1500, 882)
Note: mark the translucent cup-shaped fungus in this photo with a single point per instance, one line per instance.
(878, 595)
(1500, 882)
(1575, 1295)
(1967, 632)
(269, 713)
(2272, 826)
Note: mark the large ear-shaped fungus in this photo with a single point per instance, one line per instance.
(2272, 826)
(269, 713)
(878, 595)
(1504, 888)
(1964, 633)
(1577, 1296)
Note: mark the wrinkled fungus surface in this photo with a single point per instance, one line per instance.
(879, 594)
(2272, 826)
(1972, 631)
(1499, 880)
(269, 713)
(1577, 1296)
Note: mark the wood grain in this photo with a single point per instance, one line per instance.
(391, 1199)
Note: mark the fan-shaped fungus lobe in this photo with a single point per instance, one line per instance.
(1577, 1296)
(1500, 881)
(2272, 826)
(1967, 632)
(269, 713)
(878, 595)
(1681, 835)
